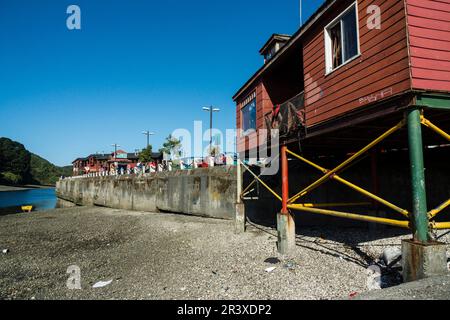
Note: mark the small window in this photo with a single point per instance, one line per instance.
(249, 117)
(341, 39)
(270, 53)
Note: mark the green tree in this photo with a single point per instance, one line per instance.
(146, 154)
(10, 178)
(172, 146)
(15, 159)
(45, 173)
(18, 165)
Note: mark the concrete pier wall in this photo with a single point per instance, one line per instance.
(208, 192)
(211, 192)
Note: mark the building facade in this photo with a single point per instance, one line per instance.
(351, 61)
(119, 161)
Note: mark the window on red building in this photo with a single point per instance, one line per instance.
(341, 39)
(249, 117)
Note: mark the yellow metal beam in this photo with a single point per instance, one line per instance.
(248, 187)
(435, 128)
(353, 186)
(346, 162)
(338, 204)
(262, 182)
(440, 225)
(372, 196)
(352, 216)
(312, 164)
(254, 180)
(433, 213)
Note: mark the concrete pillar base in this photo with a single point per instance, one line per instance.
(421, 261)
(286, 233)
(239, 219)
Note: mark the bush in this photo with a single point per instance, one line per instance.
(10, 178)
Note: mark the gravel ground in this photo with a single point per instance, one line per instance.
(165, 256)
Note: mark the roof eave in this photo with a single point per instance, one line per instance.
(295, 37)
(273, 38)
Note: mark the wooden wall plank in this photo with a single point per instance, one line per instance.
(381, 71)
(429, 33)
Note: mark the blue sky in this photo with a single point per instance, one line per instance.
(134, 65)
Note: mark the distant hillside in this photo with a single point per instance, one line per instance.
(19, 166)
(45, 173)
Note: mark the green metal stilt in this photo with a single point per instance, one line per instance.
(420, 212)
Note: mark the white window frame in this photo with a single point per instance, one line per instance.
(328, 45)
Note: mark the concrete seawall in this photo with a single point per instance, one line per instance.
(208, 192)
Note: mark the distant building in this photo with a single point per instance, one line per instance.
(121, 160)
(79, 166)
(95, 163)
(98, 162)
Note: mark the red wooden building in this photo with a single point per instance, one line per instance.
(91, 164)
(348, 65)
(97, 163)
(361, 78)
(79, 166)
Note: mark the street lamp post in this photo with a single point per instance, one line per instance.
(210, 109)
(148, 134)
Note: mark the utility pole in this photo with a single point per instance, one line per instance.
(115, 145)
(210, 109)
(148, 134)
(301, 13)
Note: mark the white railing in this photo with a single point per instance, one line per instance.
(149, 170)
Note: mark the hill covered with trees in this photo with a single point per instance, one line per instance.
(18, 166)
(45, 173)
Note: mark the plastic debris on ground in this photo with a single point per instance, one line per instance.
(269, 270)
(392, 256)
(102, 284)
(290, 265)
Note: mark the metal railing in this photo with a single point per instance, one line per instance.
(333, 175)
(182, 164)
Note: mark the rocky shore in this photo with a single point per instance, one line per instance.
(4, 188)
(164, 256)
(10, 188)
